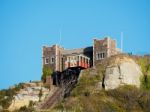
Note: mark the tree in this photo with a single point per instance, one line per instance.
(47, 71)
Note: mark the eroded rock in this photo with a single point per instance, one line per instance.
(122, 71)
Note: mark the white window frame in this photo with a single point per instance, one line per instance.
(100, 55)
(52, 59)
(46, 60)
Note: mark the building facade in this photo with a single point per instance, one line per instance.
(59, 59)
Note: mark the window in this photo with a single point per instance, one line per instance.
(52, 60)
(100, 56)
(103, 55)
(46, 60)
(68, 59)
(77, 58)
(87, 61)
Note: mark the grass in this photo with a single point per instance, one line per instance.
(123, 99)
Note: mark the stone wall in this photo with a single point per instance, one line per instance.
(103, 48)
(52, 56)
(55, 56)
(99, 46)
(48, 54)
(59, 58)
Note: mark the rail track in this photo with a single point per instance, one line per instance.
(68, 82)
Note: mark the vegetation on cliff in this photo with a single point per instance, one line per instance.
(90, 96)
(87, 96)
(144, 62)
(47, 71)
(7, 95)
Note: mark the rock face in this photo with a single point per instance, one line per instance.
(122, 71)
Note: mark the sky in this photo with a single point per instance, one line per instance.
(27, 25)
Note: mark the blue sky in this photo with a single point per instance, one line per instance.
(27, 25)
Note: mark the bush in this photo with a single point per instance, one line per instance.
(144, 101)
(25, 109)
(47, 71)
(19, 86)
(145, 82)
(6, 97)
(123, 99)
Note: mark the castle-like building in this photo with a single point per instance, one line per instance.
(59, 59)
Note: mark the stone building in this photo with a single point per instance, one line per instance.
(59, 59)
(103, 48)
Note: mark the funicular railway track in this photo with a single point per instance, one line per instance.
(68, 82)
(51, 100)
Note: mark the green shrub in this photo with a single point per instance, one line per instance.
(25, 109)
(144, 62)
(19, 86)
(47, 71)
(6, 97)
(145, 82)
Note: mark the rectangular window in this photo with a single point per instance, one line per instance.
(46, 60)
(68, 59)
(52, 60)
(78, 58)
(100, 56)
(97, 56)
(103, 55)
